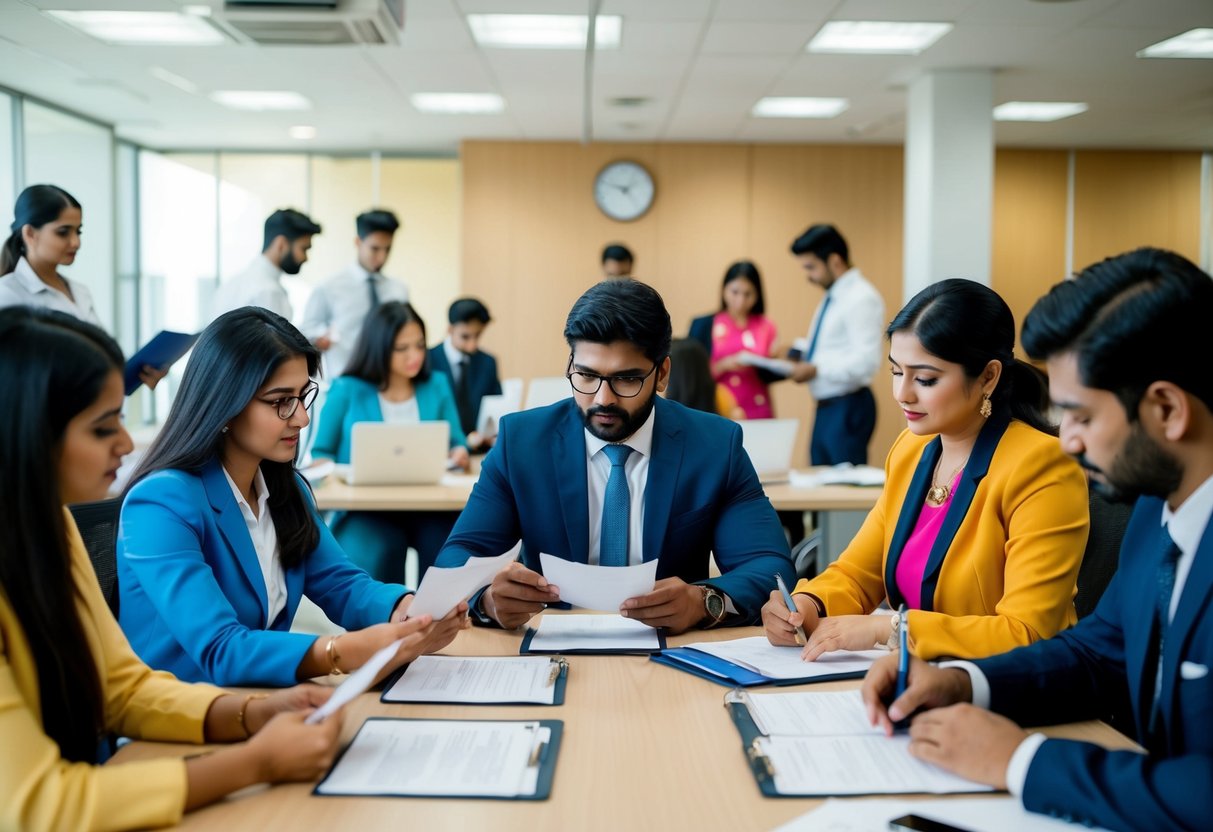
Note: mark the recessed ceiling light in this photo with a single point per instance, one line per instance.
(474, 103)
(183, 84)
(197, 10)
(261, 100)
(302, 131)
(1038, 110)
(875, 37)
(788, 107)
(1194, 43)
(124, 28)
(544, 31)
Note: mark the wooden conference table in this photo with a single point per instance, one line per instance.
(645, 747)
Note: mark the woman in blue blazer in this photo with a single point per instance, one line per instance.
(219, 537)
(389, 379)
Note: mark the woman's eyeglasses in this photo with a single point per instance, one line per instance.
(287, 405)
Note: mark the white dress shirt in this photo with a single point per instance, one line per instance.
(1186, 525)
(23, 287)
(265, 542)
(406, 412)
(848, 350)
(260, 284)
(598, 470)
(337, 308)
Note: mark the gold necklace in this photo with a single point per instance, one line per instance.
(938, 494)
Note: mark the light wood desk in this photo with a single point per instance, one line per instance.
(645, 747)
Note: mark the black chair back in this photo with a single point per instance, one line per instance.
(98, 523)
(1102, 555)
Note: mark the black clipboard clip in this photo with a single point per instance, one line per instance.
(560, 667)
(759, 761)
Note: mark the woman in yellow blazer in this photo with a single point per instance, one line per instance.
(982, 522)
(67, 674)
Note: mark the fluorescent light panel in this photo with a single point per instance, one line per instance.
(125, 28)
(183, 84)
(465, 103)
(544, 31)
(786, 107)
(1038, 110)
(258, 100)
(1194, 43)
(302, 131)
(877, 37)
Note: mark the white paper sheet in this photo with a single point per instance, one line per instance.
(598, 587)
(844, 473)
(761, 656)
(444, 587)
(356, 683)
(992, 814)
(593, 632)
(818, 714)
(439, 757)
(476, 679)
(779, 366)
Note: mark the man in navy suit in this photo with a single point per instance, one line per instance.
(1126, 345)
(473, 373)
(617, 475)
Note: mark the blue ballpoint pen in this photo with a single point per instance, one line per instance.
(903, 658)
(787, 599)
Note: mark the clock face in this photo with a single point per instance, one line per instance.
(624, 190)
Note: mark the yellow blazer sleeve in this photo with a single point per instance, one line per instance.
(1031, 586)
(38, 788)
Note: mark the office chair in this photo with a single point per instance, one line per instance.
(98, 523)
(1102, 555)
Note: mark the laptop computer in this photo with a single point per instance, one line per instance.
(388, 453)
(769, 443)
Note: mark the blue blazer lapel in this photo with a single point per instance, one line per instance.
(231, 525)
(569, 471)
(1195, 599)
(911, 507)
(664, 465)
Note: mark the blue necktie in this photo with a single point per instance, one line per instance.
(1162, 613)
(808, 356)
(616, 510)
(372, 292)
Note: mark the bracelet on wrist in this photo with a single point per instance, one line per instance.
(242, 714)
(334, 657)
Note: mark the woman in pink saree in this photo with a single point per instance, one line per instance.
(740, 328)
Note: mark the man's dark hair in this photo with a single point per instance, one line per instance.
(617, 251)
(289, 223)
(621, 310)
(377, 219)
(1130, 320)
(465, 310)
(822, 240)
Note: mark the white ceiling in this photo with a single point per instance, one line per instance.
(702, 64)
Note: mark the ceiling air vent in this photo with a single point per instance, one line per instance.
(303, 23)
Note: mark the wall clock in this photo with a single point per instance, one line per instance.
(624, 190)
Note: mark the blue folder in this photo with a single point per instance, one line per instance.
(160, 352)
(723, 672)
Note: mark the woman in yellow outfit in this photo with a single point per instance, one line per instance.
(982, 522)
(67, 674)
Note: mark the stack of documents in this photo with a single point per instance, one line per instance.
(481, 680)
(592, 634)
(747, 662)
(843, 473)
(506, 760)
(820, 744)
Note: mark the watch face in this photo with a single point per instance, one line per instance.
(624, 190)
(715, 604)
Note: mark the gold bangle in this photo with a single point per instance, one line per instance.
(240, 716)
(334, 657)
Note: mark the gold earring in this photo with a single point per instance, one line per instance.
(986, 407)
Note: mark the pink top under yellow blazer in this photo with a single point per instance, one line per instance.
(1003, 568)
(41, 790)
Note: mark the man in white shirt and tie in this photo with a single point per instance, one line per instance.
(288, 238)
(338, 306)
(843, 349)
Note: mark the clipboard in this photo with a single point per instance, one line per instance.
(546, 762)
(560, 678)
(165, 348)
(724, 672)
(525, 649)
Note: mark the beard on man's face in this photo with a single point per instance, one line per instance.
(625, 427)
(1141, 468)
(289, 264)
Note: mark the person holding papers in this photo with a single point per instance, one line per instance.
(67, 674)
(1126, 345)
(740, 328)
(389, 379)
(219, 538)
(45, 235)
(981, 525)
(617, 476)
(471, 370)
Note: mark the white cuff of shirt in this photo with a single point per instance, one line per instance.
(977, 681)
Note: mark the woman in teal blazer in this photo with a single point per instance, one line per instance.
(389, 380)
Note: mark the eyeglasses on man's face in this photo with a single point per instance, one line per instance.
(287, 405)
(625, 387)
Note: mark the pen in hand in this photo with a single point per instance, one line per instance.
(903, 655)
(787, 599)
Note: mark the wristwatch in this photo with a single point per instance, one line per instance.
(894, 632)
(713, 602)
